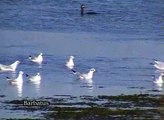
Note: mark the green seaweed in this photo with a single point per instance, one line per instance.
(97, 112)
(138, 106)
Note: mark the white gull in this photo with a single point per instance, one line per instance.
(159, 65)
(36, 59)
(69, 63)
(85, 76)
(11, 67)
(18, 80)
(34, 78)
(159, 80)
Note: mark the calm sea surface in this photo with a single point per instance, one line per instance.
(120, 42)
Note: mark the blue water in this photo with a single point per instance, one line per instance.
(127, 17)
(120, 42)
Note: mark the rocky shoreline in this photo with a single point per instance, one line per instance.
(137, 106)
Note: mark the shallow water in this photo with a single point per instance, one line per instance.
(123, 66)
(120, 43)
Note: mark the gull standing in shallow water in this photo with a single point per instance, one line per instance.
(34, 78)
(159, 65)
(69, 63)
(85, 76)
(18, 80)
(12, 67)
(159, 80)
(37, 59)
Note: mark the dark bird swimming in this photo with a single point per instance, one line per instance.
(82, 11)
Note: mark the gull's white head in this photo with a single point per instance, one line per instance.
(71, 57)
(17, 61)
(92, 70)
(38, 74)
(21, 72)
(41, 54)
